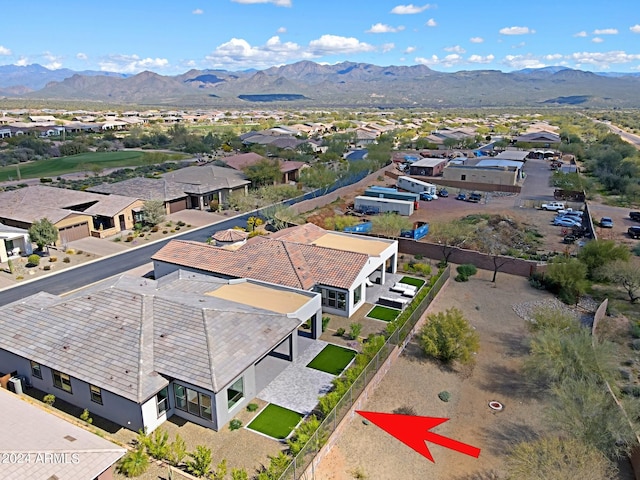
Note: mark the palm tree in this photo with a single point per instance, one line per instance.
(135, 463)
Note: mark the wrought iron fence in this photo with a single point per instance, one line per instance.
(399, 337)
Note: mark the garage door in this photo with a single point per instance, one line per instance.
(74, 232)
(178, 205)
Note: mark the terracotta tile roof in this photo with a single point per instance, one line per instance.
(270, 259)
(230, 235)
(238, 162)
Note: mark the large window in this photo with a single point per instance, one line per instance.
(162, 401)
(189, 400)
(36, 370)
(357, 295)
(180, 394)
(235, 393)
(334, 299)
(61, 381)
(96, 394)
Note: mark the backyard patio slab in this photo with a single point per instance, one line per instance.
(298, 387)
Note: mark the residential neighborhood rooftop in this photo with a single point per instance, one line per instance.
(29, 430)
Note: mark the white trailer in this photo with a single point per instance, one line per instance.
(416, 186)
(401, 207)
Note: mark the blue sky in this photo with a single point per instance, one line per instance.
(171, 37)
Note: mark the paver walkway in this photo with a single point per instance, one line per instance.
(298, 387)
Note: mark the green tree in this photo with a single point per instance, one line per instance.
(597, 253)
(239, 474)
(200, 463)
(177, 451)
(390, 224)
(221, 470)
(134, 464)
(625, 274)
(318, 176)
(559, 459)
(153, 211)
(158, 444)
(448, 336)
(43, 233)
(263, 172)
(568, 278)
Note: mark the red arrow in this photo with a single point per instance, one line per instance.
(413, 431)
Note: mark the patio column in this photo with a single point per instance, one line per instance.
(383, 272)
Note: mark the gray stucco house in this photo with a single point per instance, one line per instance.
(137, 351)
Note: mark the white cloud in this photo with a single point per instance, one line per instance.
(581, 34)
(597, 40)
(131, 63)
(523, 61)
(277, 3)
(476, 39)
(431, 23)
(333, 44)
(81, 56)
(606, 31)
(410, 9)
(383, 28)
(282, 30)
(4, 50)
(387, 47)
(198, 11)
(603, 59)
(516, 31)
(480, 59)
(519, 45)
(237, 52)
(410, 50)
(455, 49)
(635, 28)
(554, 56)
(52, 61)
(447, 61)
(22, 62)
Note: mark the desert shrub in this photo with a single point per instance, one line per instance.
(635, 330)
(129, 238)
(181, 223)
(405, 410)
(448, 336)
(444, 396)
(325, 322)
(85, 416)
(177, 451)
(340, 332)
(200, 462)
(134, 464)
(235, 424)
(164, 232)
(252, 407)
(49, 399)
(66, 260)
(155, 228)
(47, 267)
(79, 252)
(117, 239)
(354, 330)
(467, 269)
(53, 259)
(33, 259)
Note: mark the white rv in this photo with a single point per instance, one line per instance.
(416, 186)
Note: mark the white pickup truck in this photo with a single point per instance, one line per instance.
(553, 206)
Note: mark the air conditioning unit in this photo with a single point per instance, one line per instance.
(15, 385)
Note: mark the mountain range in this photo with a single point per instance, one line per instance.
(308, 84)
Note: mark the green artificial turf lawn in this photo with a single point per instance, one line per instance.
(53, 167)
(386, 314)
(332, 359)
(275, 421)
(416, 282)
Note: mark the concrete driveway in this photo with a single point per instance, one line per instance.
(101, 247)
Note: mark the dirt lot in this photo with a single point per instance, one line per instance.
(415, 381)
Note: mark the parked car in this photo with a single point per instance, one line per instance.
(606, 222)
(569, 239)
(634, 232)
(443, 193)
(635, 216)
(461, 196)
(565, 222)
(570, 211)
(427, 196)
(474, 197)
(553, 206)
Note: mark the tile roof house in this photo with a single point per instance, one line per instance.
(338, 265)
(190, 187)
(76, 214)
(137, 351)
(290, 170)
(14, 242)
(51, 447)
